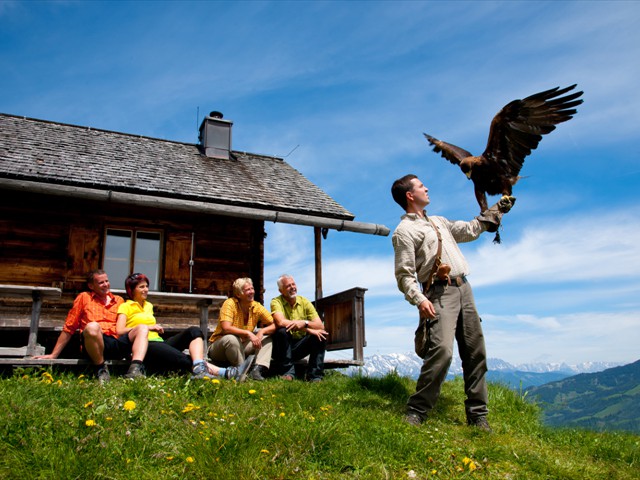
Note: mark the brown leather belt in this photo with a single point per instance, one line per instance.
(453, 281)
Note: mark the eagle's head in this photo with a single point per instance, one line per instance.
(466, 166)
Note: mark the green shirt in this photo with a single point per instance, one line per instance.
(303, 309)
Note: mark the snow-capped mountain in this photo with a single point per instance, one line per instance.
(522, 375)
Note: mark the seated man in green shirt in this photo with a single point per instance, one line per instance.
(299, 332)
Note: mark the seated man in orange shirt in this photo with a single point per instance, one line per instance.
(94, 314)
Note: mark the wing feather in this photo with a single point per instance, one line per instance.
(518, 128)
(452, 153)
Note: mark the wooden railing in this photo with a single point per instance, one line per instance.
(343, 315)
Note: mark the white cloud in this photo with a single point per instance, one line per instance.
(594, 245)
(571, 338)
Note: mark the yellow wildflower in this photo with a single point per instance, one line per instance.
(169, 458)
(190, 407)
(466, 460)
(215, 381)
(282, 414)
(88, 404)
(252, 391)
(472, 466)
(434, 471)
(129, 405)
(264, 450)
(190, 459)
(90, 423)
(108, 419)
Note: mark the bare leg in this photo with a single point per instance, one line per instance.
(139, 337)
(93, 342)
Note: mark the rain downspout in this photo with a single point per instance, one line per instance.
(191, 264)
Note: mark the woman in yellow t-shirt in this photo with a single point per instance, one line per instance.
(168, 355)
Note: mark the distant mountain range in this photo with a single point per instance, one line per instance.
(608, 400)
(519, 376)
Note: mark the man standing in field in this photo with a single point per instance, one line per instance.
(432, 273)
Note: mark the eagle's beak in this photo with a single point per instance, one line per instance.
(468, 174)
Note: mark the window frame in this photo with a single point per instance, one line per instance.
(133, 239)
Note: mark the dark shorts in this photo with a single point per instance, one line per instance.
(114, 348)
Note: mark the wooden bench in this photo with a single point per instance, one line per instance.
(343, 314)
(37, 295)
(23, 356)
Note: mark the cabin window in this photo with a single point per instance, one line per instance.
(129, 251)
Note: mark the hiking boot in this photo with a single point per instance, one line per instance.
(413, 419)
(256, 373)
(200, 372)
(103, 375)
(136, 370)
(480, 422)
(239, 373)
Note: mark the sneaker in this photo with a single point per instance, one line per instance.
(136, 370)
(239, 373)
(413, 419)
(200, 372)
(103, 375)
(256, 373)
(481, 423)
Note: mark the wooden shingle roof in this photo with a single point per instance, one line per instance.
(60, 154)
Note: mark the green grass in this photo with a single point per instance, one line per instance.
(64, 426)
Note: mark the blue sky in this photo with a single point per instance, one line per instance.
(344, 90)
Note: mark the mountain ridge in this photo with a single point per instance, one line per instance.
(515, 376)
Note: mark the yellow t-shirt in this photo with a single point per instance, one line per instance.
(140, 315)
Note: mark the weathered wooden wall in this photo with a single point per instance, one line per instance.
(55, 241)
(52, 240)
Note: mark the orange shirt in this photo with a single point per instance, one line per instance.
(87, 307)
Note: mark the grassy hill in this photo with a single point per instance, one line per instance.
(63, 426)
(607, 400)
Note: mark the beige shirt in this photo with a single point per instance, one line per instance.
(415, 244)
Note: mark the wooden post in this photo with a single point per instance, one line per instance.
(318, 249)
(35, 323)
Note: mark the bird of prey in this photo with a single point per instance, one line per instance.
(515, 131)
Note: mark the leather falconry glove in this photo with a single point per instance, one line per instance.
(493, 215)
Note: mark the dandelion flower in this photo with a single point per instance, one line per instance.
(190, 459)
(108, 419)
(90, 423)
(215, 381)
(434, 471)
(252, 392)
(264, 450)
(282, 414)
(129, 405)
(88, 404)
(169, 458)
(466, 460)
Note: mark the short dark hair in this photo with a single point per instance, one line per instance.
(400, 188)
(92, 275)
(133, 281)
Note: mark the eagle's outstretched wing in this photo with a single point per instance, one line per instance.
(518, 128)
(450, 152)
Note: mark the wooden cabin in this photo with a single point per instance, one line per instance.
(190, 216)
